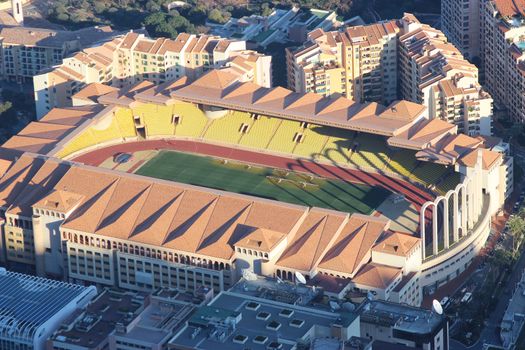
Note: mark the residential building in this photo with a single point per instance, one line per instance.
(503, 54)
(379, 61)
(460, 21)
(134, 57)
(26, 51)
(359, 63)
(433, 72)
(32, 308)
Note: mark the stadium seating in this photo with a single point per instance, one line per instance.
(157, 119)
(192, 120)
(260, 133)
(402, 162)
(449, 183)
(283, 139)
(370, 151)
(313, 142)
(428, 173)
(228, 128)
(124, 118)
(338, 146)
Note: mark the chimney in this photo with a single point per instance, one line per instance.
(18, 12)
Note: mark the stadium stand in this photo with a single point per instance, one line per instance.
(259, 134)
(449, 183)
(283, 139)
(339, 145)
(157, 119)
(370, 151)
(312, 142)
(124, 118)
(402, 162)
(230, 128)
(428, 173)
(192, 120)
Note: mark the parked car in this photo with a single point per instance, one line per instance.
(466, 298)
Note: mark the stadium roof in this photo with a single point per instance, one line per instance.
(27, 302)
(187, 218)
(221, 88)
(405, 122)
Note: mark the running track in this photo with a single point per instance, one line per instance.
(413, 193)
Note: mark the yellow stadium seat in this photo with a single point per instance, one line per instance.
(428, 173)
(338, 147)
(260, 133)
(228, 128)
(125, 122)
(371, 151)
(402, 162)
(283, 139)
(312, 143)
(192, 120)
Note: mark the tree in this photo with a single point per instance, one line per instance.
(517, 229)
(216, 15)
(502, 258)
(4, 107)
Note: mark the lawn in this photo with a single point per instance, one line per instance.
(296, 188)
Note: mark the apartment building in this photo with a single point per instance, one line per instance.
(460, 21)
(134, 57)
(503, 54)
(433, 72)
(358, 63)
(26, 51)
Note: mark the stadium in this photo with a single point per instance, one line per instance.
(223, 178)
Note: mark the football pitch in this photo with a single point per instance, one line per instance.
(277, 184)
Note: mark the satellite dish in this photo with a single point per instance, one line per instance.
(334, 306)
(299, 277)
(348, 306)
(436, 306)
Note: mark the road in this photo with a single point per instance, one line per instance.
(490, 333)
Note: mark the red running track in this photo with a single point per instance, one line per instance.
(413, 193)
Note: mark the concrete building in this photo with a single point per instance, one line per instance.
(160, 320)
(234, 321)
(282, 25)
(434, 72)
(134, 57)
(379, 61)
(460, 21)
(90, 328)
(108, 228)
(32, 308)
(359, 63)
(17, 11)
(403, 325)
(503, 46)
(26, 51)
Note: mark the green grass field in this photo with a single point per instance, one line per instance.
(263, 182)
